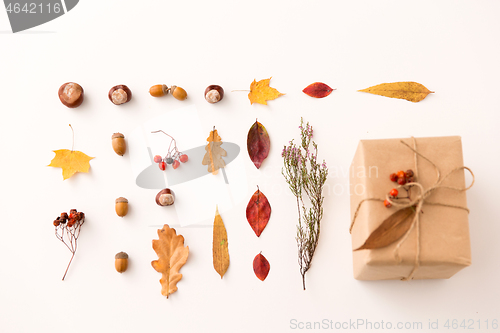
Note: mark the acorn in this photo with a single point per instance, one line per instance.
(119, 144)
(121, 206)
(121, 262)
(178, 93)
(158, 90)
(165, 197)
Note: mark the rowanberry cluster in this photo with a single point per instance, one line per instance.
(174, 160)
(73, 218)
(173, 157)
(67, 228)
(401, 178)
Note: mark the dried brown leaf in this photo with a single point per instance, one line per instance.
(392, 229)
(172, 256)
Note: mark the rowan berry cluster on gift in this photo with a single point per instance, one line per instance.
(402, 178)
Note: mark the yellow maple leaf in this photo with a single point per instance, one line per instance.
(411, 91)
(260, 92)
(71, 161)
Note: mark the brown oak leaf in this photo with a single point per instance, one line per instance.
(172, 255)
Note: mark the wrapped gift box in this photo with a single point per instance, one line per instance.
(444, 241)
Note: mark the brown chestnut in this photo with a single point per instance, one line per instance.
(165, 197)
(120, 94)
(71, 94)
(214, 93)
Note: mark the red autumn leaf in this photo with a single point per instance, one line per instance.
(258, 212)
(261, 266)
(318, 90)
(258, 143)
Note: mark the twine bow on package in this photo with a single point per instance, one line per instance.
(425, 236)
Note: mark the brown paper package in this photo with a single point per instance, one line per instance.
(444, 231)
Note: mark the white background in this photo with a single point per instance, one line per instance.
(452, 47)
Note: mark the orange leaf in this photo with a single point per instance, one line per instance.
(213, 156)
(392, 229)
(71, 162)
(258, 212)
(260, 92)
(172, 256)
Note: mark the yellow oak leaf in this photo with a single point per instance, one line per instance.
(260, 92)
(71, 162)
(411, 91)
(213, 156)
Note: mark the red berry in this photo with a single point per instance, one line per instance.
(409, 173)
(56, 223)
(410, 180)
(387, 203)
(393, 177)
(176, 164)
(402, 181)
(401, 174)
(183, 158)
(394, 192)
(157, 159)
(162, 166)
(64, 216)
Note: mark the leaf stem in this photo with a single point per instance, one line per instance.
(73, 143)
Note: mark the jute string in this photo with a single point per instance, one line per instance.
(418, 202)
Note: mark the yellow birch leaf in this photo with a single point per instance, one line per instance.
(71, 162)
(260, 92)
(411, 91)
(219, 246)
(172, 255)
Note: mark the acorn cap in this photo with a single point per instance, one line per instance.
(121, 255)
(121, 199)
(117, 135)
